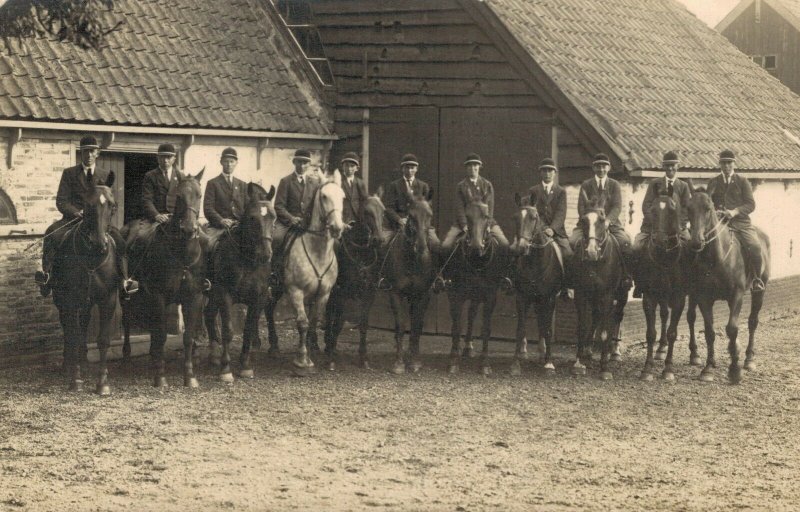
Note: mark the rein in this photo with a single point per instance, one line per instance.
(717, 231)
(324, 218)
(314, 267)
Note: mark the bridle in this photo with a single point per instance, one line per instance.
(536, 232)
(324, 216)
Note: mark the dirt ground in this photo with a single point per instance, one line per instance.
(365, 440)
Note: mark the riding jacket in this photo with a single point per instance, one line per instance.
(73, 186)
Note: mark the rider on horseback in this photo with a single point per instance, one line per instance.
(669, 186)
(291, 202)
(74, 183)
(400, 194)
(606, 191)
(732, 195)
(355, 190)
(473, 188)
(226, 195)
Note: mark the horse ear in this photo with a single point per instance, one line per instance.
(199, 176)
(429, 197)
(690, 183)
(271, 193)
(517, 199)
(110, 179)
(252, 190)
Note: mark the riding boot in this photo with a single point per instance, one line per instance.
(43, 278)
(755, 261)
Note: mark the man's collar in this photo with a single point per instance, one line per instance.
(726, 178)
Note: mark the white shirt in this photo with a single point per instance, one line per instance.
(547, 187)
(350, 182)
(727, 179)
(409, 183)
(600, 182)
(300, 178)
(87, 170)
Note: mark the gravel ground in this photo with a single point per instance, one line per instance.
(364, 440)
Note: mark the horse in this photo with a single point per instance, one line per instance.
(310, 268)
(241, 266)
(473, 271)
(87, 265)
(661, 275)
(600, 297)
(170, 262)
(539, 276)
(408, 271)
(358, 256)
(719, 272)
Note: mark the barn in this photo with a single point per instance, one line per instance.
(767, 31)
(519, 80)
(202, 75)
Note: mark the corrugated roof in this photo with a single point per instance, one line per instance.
(651, 77)
(181, 63)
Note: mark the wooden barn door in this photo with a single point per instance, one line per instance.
(511, 142)
(394, 132)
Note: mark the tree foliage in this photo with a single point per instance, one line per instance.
(81, 22)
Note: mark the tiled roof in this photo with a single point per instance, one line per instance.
(651, 77)
(178, 63)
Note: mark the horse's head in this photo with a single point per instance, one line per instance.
(527, 222)
(258, 221)
(478, 219)
(595, 232)
(330, 197)
(420, 219)
(188, 198)
(702, 219)
(99, 207)
(372, 210)
(665, 213)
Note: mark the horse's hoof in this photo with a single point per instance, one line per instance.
(160, 383)
(749, 365)
(659, 356)
(549, 367)
(695, 361)
(215, 361)
(606, 376)
(468, 353)
(515, 370)
(76, 385)
(579, 370)
(191, 382)
(227, 378)
(486, 370)
(103, 390)
(273, 351)
(646, 376)
(247, 373)
(668, 376)
(452, 369)
(523, 356)
(331, 366)
(304, 371)
(365, 365)
(735, 375)
(706, 377)
(399, 368)
(414, 367)
(616, 357)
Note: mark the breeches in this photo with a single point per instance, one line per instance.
(452, 235)
(751, 246)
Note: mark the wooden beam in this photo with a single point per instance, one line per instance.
(260, 146)
(187, 143)
(14, 137)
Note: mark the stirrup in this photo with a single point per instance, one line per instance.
(274, 280)
(41, 278)
(206, 285)
(130, 286)
(757, 285)
(507, 285)
(439, 285)
(637, 292)
(383, 284)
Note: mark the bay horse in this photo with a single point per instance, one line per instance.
(600, 297)
(661, 275)
(408, 271)
(87, 263)
(170, 262)
(719, 272)
(310, 267)
(240, 271)
(359, 259)
(539, 274)
(474, 270)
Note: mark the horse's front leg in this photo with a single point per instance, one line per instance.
(486, 329)
(732, 330)
(334, 323)
(225, 304)
(677, 303)
(210, 314)
(418, 307)
(756, 301)
(269, 312)
(707, 311)
(105, 311)
(456, 299)
(663, 309)
(472, 312)
(605, 335)
(302, 363)
(691, 317)
(363, 326)
(617, 314)
(546, 320)
(126, 333)
(649, 304)
(584, 329)
(158, 337)
(396, 303)
(522, 313)
(249, 336)
(192, 311)
(317, 312)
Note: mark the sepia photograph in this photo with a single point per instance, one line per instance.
(400, 255)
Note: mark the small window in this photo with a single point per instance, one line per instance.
(770, 61)
(8, 214)
(758, 59)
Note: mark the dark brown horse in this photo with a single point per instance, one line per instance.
(240, 270)
(359, 257)
(718, 272)
(661, 275)
(170, 263)
(409, 273)
(473, 271)
(88, 266)
(538, 277)
(600, 297)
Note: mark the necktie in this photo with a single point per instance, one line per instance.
(600, 186)
(670, 188)
(408, 182)
(89, 175)
(230, 181)
(301, 180)
(350, 182)
(547, 190)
